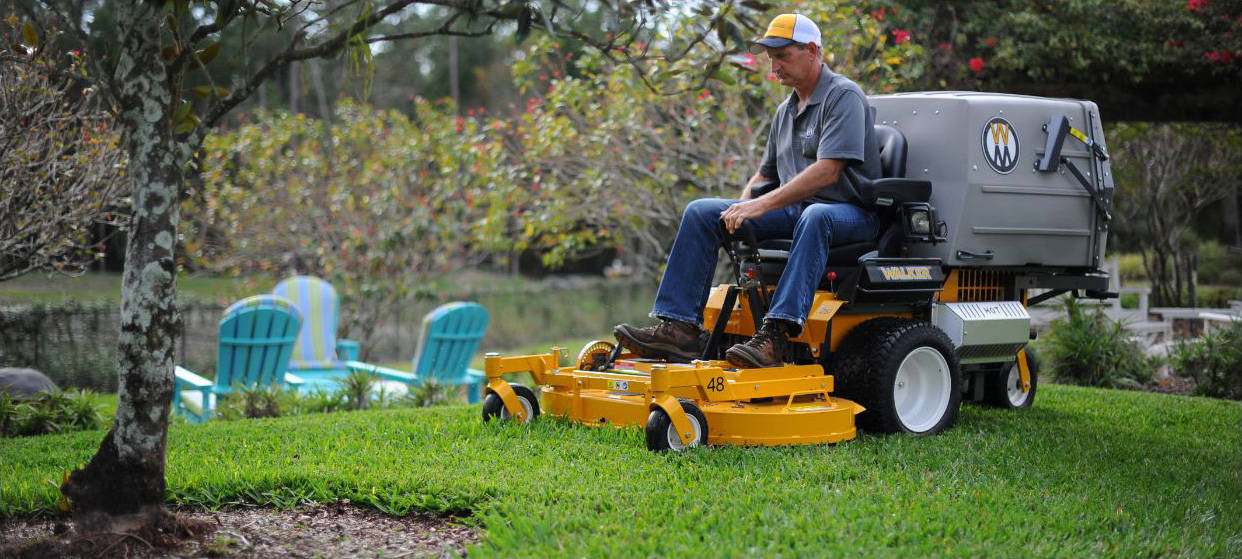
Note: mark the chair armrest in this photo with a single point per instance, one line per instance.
(382, 372)
(294, 380)
(347, 350)
(889, 192)
(191, 381)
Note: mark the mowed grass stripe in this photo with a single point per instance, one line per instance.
(1086, 472)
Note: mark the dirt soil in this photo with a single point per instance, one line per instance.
(332, 530)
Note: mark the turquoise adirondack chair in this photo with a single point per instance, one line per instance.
(256, 341)
(319, 358)
(448, 340)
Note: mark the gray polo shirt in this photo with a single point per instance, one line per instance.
(836, 123)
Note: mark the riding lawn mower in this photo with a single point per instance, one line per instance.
(985, 198)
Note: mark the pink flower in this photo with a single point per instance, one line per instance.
(901, 36)
(977, 64)
(771, 76)
(750, 61)
(1212, 55)
(1195, 5)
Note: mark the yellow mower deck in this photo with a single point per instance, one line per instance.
(786, 405)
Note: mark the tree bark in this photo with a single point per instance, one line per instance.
(123, 484)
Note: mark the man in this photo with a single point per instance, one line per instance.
(823, 126)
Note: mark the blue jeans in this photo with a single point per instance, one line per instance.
(692, 262)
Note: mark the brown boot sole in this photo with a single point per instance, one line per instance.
(744, 357)
(668, 352)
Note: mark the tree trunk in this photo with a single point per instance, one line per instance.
(1232, 234)
(123, 484)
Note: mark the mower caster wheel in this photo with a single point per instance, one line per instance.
(662, 436)
(1003, 389)
(494, 407)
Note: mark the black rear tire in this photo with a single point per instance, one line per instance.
(494, 407)
(886, 357)
(662, 437)
(1002, 389)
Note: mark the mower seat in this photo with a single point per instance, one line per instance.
(883, 192)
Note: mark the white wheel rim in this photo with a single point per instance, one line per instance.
(674, 440)
(1013, 387)
(922, 389)
(526, 407)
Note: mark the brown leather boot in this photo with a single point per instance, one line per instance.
(671, 340)
(765, 349)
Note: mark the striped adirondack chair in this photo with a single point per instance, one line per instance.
(319, 358)
(256, 341)
(448, 340)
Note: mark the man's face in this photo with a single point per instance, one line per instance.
(793, 65)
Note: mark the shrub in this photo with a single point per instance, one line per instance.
(49, 412)
(1218, 266)
(1130, 266)
(254, 402)
(1088, 348)
(1215, 362)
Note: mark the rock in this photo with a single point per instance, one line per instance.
(24, 383)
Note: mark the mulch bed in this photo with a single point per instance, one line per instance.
(331, 530)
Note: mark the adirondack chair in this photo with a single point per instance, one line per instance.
(318, 356)
(448, 340)
(256, 341)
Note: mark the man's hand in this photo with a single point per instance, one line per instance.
(739, 212)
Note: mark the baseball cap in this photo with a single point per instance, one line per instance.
(787, 29)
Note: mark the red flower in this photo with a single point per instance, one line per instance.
(771, 76)
(977, 64)
(1212, 55)
(901, 36)
(750, 61)
(459, 125)
(945, 47)
(991, 42)
(1195, 5)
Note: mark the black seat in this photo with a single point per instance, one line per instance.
(774, 253)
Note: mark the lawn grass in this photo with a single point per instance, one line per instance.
(1086, 472)
(106, 287)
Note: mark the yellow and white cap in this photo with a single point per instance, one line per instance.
(787, 29)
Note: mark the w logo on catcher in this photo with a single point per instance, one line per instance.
(1000, 145)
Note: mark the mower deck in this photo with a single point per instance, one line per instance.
(787, 405)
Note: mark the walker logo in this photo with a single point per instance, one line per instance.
(892, 273)
(1000, 145)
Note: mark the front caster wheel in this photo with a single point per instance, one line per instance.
(494, 407)
(662, 436)
(1003, 389)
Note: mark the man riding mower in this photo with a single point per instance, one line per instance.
(876, 296)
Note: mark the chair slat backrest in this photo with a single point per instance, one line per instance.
(450, 337)
(319, 305)
(256, 341)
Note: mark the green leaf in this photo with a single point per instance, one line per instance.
(182, 110)
(30, 35)
(208, 53)
(205, 91)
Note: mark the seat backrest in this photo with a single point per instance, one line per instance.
(892, 151)
(449, 338)
(256, 341)
(319, 305)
